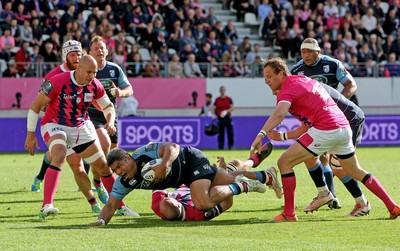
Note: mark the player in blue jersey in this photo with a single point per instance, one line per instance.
(209, 186)
(116, 85)
(329, 71)
(356, 118)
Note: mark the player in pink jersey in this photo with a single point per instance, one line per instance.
(329, 131)
(67, 97)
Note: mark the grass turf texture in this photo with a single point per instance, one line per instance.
(244, 227)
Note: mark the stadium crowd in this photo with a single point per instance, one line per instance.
(181, 38)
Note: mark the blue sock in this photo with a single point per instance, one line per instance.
(261, 176)
(43, 168)
(352, 186)
(329, 179)
(317, 175)
(235, 188)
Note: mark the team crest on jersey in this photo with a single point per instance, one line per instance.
(78, 100)
(326, 68)
(88, 97)
(112, 73)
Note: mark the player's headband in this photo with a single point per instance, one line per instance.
(311, 45)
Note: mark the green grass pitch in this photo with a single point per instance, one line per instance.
(244, 227)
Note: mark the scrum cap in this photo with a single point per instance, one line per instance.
(70, 46)
(311, 44)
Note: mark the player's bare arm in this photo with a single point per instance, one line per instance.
(121, 93)
(107, 212)
(273, 121)
(33, 117)
(169, 152)
(281, 136)
(350, 88)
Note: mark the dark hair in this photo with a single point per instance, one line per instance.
(115, 154)
(209, 95)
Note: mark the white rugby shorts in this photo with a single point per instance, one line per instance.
(337, 141)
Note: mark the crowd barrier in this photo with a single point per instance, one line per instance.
(380, 130)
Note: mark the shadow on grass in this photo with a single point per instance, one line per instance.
(37, 201)
(13, 192)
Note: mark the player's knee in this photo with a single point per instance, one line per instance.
(170, 209)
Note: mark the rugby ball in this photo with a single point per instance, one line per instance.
(148, 174)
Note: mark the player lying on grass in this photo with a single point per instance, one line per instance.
(189, 166)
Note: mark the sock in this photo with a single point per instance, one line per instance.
(96, 183)
(43, 168)
(263, 176)
(352, 186)
(51, 180)
(289, 189)
(238, 187)
(361, 200)
(92, 201)
(317, 176)
(86, 166)
(374, 186)
(329, 179)
(108, 182)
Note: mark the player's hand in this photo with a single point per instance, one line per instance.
(110, 128)
(256, 145)
(115, 92)
(31, 142)
(97, 223)
(159, 173)
(274, 135)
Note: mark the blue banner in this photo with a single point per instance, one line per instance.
(379, 130)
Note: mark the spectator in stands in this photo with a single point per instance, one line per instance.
(46, 6)
(55, 40)
(349, 41)
(283, 38)
(305, 12)
(11, 71)
(37, 32)
(244, 47)
(219, 32)
(68, 16)
(176, 33)
(230, 32)
(22, 14)
(135, 22)
(118, 8)
(50, 57)
(368, 21)
(159, 40)
(263, 10)
(184, 54)
(158, 66)
(15, 31)
(242, 7)
(229, 68)
(389, 46)
(187, 39)
(148, 71)
(376, 47)
(163, 54)
(199, 17)
(215, 45)
(23, 58)
(191, 69)
(6, 14)
(364, 53)
(175, 68)
(270, 27)
(204, 56)
(391, 23)
(211, 18)
(367, 70)
(199, 34)
(91, 27)
(232, 53)
(51, 22)
(147, 9)
(135, 65)
(327, 49)
(94, 15)
(26, 31)
(392, 67)
(119, 56)
(251, 56)
(242, 69)
(7, 42)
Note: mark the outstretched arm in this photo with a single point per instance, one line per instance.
(107, 212)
